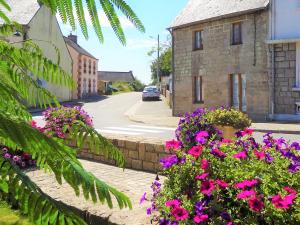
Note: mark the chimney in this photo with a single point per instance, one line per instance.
(73, 38)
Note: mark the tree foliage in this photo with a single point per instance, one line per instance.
(20, 67)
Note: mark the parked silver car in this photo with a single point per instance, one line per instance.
(151, 92)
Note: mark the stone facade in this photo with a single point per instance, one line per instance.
(219, 59)
(140, 153)
(286, 95)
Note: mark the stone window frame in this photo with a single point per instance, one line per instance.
(195, 48)
(240, 90)
(194, 89)
(240, 33)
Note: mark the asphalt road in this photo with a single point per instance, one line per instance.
(109, 117)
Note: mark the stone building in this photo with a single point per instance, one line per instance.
(284, 59)
(85, 67)
(42, 27)
(220, 56)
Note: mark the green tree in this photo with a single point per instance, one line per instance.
(165, 63)
(17, 89)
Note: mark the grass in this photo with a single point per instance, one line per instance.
(9, 216)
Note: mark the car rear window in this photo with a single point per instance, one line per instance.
(150, 89)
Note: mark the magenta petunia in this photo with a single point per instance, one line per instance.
(222, 184)
(216, 152)
(200, 218)
(173, 203)
(180, 214)
(202, 176)
(256, 204)
(195, 151)
(246, 184)
(290, 190)
(173, 145)
(207, 187)
(204, 164)
(247, 132)
(240, 155)
(246, 194)
(260, 155)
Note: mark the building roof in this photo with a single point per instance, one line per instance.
(114, 76)
(22, 11)
(206, 10)
(78, 48)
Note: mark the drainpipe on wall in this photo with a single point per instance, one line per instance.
(272, 91)
(173, 72)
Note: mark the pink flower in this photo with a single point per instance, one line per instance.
(260, 155)
(207, 187)
(246, 183)
(195, 151)
(200, 218)
(279, 203)
(290, 190)
(246, 194)
(240, 155)
(180, 214)
(256, 204)
(222, 183)
(247, 131)
(173, 145)
(218, 153)
(173, 203)
(226, 141)
(204, 164)
(202, 176)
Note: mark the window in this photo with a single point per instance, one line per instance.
(198, 90)
(198, 45)
(238, 91)
(237, 33)
(90, 67)
(94, 68)
(84, 65)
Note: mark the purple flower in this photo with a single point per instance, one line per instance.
(143, 198)
(199, 206)
(225, 216)
(149, 211)
(296, 146)
(164, 222)
(294, 167)
(201, 137)
(169, 161)
(16, 158)
(7, 155)
(269, 158)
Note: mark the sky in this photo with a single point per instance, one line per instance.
(156, 16)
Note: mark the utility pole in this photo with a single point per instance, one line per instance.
(158, 58)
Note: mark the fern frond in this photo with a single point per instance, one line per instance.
(129, 13)
(69, 11)
(94, 18)
(81, 17)
(113, 19)
(58, 158)
(5, 5)
(97, 144)
(41, 208)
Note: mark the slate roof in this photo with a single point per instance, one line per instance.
(22, 11)
(78, 48)
(206, 10)
(114, 76)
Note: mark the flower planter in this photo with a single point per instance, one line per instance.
(228, 131)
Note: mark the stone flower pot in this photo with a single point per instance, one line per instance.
(228, 131)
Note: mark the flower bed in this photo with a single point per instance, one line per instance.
(211, 180)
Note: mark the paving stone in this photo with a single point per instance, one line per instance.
(132, 183)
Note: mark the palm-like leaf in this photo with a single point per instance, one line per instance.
(65, 9)
(19, 69)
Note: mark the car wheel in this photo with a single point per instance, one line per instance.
(143, 99)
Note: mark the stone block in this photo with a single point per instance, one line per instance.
(137, 164)
(148, 166)
(149, 147)
(131, 145)
(142, 151)
(151, 157)
(128, 163)
(121, 143)
(133, 154)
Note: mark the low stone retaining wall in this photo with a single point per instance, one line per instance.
(140, 153)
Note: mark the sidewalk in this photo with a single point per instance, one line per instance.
(132, 183)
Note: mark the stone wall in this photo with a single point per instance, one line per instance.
(140, 153)
(218, 59)
(285, 79)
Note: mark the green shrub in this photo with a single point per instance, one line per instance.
(228, 117)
